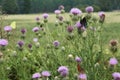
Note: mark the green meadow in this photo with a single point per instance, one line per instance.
(21, 65)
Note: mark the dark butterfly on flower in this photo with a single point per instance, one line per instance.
(80, 69)
(83, 22)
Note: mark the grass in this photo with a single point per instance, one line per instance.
(22, 64)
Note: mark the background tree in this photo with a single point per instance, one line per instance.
(10, 6)
(40, 6)
(26, 6)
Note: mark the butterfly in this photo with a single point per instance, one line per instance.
(83, 22)
(80, 69)
(13, 24)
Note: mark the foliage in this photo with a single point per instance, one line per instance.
(38, 6)
(10, 6)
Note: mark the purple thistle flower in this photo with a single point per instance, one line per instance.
(89, 9)
(56, 43)
(45, 74)
(64, 73)
(57, 12)
(37, 19)
(101, 14)
(45, 15)
(61, 7)
(60, 18)
(36, 75)
(3, 42)
(83, 28)
(82, 77)
(20, 43)
(62, 68)
(23, 31)
(116, 75)
(78, 25)
(30, 46)
(75, 11)
(70, 29)
(35, 29)
(113, 43)
(7, 28)
(78, 59)
(113, 61)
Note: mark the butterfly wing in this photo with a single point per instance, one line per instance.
(13, 24)
(80, 69)
(83, 22)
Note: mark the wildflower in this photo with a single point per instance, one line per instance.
(78, 25)
(56, 23)
(35, 29)
(64, 73)
(7, 28)
(113, 45)
(60, 18)
(113, 61)
(30, 47)
(70, 56)
(56, 43)
(37, 44)
(45, 74)
(37, 19)
(57, 12)
(75, 11)
(89, 9)
(45, 15)
(36, 75)
(102, 16)
(3, 42)
(83, 28)
(70, 29)
(35, 39)
(61, 7)
(23, 30)
(63, 48)
(82, 77)
(78, 59)
(63, 70)
(14, 54)
(20, 43)
(116, 75)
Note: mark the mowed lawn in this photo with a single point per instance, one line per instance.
(112, 23)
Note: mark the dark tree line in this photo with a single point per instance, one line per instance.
(37, 6)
